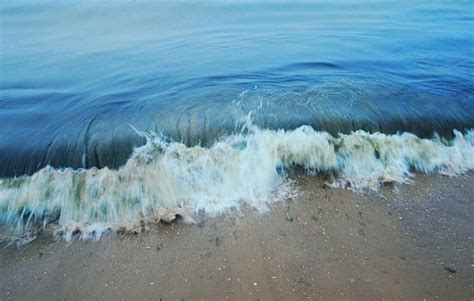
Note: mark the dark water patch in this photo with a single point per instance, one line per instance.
(308, 65)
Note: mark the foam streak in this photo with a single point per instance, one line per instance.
(162, 178)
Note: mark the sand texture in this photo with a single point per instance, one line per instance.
(401, 242)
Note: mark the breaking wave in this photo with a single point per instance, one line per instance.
(163, 178)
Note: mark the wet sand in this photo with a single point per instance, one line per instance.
(401, 242)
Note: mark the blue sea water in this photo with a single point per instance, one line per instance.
(83, 83)
(76, 75)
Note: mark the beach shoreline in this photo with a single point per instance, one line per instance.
(400, 242)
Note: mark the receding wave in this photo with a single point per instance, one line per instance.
(163, 179)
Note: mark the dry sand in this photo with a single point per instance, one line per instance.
(402, 242)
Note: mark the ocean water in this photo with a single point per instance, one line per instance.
(116, 114)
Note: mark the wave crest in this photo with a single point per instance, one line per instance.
(163, 178)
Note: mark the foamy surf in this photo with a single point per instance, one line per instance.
(163, 179)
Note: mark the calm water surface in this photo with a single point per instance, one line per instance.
(75, 77)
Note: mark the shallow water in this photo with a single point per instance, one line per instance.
(246, 90)
(75, 76)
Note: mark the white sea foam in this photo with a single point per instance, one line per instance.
(162, 179)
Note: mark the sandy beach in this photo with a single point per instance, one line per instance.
(409, 242)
